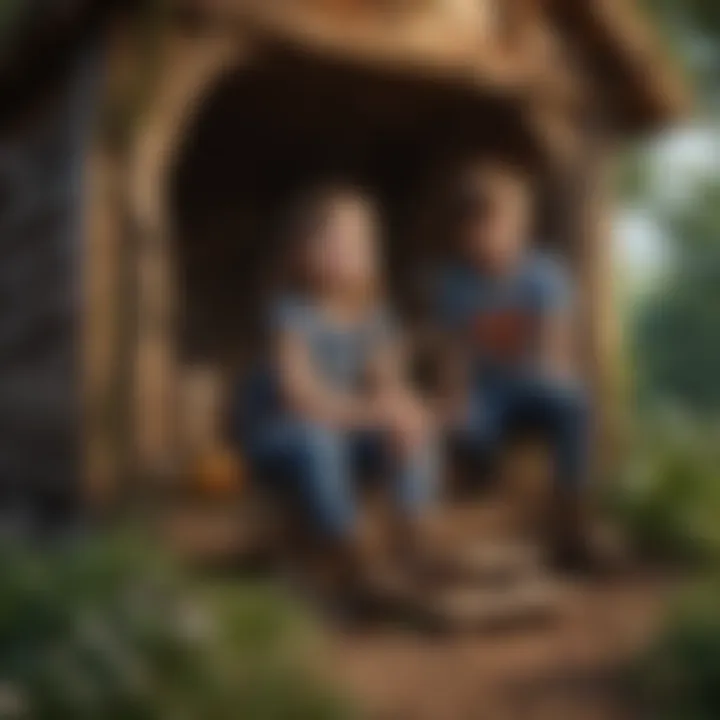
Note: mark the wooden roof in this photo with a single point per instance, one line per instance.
(463, 42)
(642, 82)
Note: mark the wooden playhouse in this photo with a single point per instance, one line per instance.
(250, 100)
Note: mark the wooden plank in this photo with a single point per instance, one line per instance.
(525, 604)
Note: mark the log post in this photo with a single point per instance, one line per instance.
(103, 388)
(191, 65)
(587, 232)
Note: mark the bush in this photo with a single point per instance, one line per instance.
(668, 496)
(102, 631)
(679, 677)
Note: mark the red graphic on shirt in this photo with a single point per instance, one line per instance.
(503, 334)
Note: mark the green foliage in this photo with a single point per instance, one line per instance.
(701, 16)
(692, 30)
(679, 676)
(668, 497)
(102, 631)
(677, 330)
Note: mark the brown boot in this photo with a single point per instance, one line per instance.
(575, 546)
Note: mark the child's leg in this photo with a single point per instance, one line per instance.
(316, 465)
(415, 485)
(413, 477)
(416, 479)
(561, 413)
(479, 433)
(312, 462)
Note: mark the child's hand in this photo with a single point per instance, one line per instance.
(408, 421)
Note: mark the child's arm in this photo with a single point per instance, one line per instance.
(406, 416)
(557, 354)
(557, 346)
(449, 348)
(309, 396)
(385, 374)
(454, 376)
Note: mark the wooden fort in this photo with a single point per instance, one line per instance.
(239, 103)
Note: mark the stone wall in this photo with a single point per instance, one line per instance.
(41, 211)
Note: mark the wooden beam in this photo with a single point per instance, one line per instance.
(623, 60)
(586, 232)
(190, 68)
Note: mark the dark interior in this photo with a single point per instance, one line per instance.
(265, 133)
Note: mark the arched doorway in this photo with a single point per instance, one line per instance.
(265, 133)
(239, 138)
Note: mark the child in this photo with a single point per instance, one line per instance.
(506, 310)
(335, 403)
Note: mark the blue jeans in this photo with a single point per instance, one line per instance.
(319, 466)
(558, 411)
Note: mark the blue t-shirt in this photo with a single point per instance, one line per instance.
(498, 318)
(339, 353)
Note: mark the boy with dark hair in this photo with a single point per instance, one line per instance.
(505, 309)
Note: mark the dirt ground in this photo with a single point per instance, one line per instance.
(569, 669)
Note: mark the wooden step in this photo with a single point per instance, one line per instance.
(497, 563)
(533, 602)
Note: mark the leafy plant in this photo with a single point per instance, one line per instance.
(106, 631)
(668, 496)
(678, 678)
